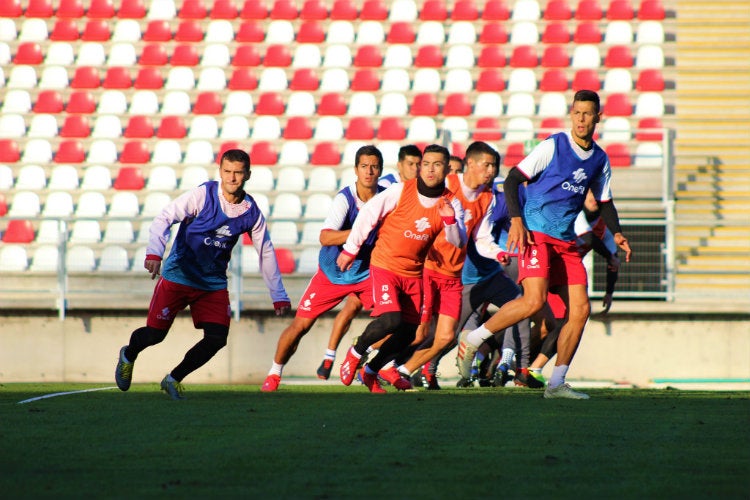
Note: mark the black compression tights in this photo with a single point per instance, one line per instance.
(402, 336)
(377, 330)
(142, 338)
(214, 338)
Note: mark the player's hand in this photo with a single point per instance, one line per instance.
(607, 303)
(622, 242)
(445, 209)
(282, 308)
(503, 258)
(518, 236)
(153, 267)
(344, 261)
(613, 264)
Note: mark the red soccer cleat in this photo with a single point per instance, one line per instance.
(349, 367)
(402, 384)
(389, 374)
(271, 384)
(371, 381)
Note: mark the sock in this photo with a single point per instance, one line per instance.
(369, 371)
(558, 375)
(369, 350)
(404, 371)
(507, 357)
(331, 354)
(535, 371)
(354, 353)
(276, 369)
(476, 337)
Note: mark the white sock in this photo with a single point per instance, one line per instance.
(354, 353)
(558, 375)
(538, 371)
(330, 354)
(404, 371)
(276, 369)
(507, 357)
(369, 350)
(476, 337)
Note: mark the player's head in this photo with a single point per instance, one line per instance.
(456, 165)
(368, 166)
(584, 114)
(234, 171)
(481, 164)
(434, 166)
(409, 157)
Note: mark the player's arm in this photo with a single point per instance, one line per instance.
(518, 235)
(269, 266)
(452, 214)
(485, 241)
(609, 215)
(331, 234)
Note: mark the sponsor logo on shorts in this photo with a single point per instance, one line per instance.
(385, 297)
(164, 314)
(422, 225)
(533, 261)
(308, 302)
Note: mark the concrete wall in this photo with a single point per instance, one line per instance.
(633, 348)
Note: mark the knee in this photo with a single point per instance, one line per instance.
(216, 335)
(534, 303)
(579, 313)
(390, 321)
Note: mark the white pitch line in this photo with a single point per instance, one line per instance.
(64, 394)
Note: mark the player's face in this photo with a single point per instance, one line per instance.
(456, 167)
(233, 177)
(407, 168)
(480, 169)
(433, 169)
(584, 118)
(368, 170)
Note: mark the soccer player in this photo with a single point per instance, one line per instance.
(409, 158)
(212, 217)
(456, 165)
(558, 172)
(411, 215)
(330, 285)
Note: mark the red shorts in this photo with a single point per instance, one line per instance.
(556, 260)
(321, 295)
(205, 306)
(394, 293)
(557, 305)
(442, 295)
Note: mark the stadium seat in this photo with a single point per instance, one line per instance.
(586, 79)
(520, 104)
(460, 56)
(192, 9)
(364, 104)
(586, 56)
(48, 101)
(285, 260)
(366, 80)
(208, 103)
(522, 80)
(53, 77)
(63, 177)
(46, 259)
(589, 10)
(153, 54)
(21, 77)
(618, 33)
(184, 54)
(462, 33)
(308, 259)
(107, 127)
(649, 129)
(557, 10)
(263, 153)
(488, 104)
(556, 32)
(118, 231)
(618, 105)
(323, 179)
(219, 31)
(649, 57)
(242, 79)
(345, 10)
(651, 10)
(332, 104)
(235, 127)
(116, 77)
(96, 178)
(370, 33)
(135, 152)
(91, 54)
(105, 9)
(519, 128)
(198, 152)
(524, 33)
(493, 33)
(284, 232)
(298, 128)
(114, 259)
(374, 10)
(430, 33)
(58, 204)
(13, 258)
(189, 31)
(171, 127)
(96, 30)
(514, 153)
(288, 205)
(360, 128)
(421, 129)
(398, 56)
(25, 204)
(426, 80)
(552, 104)
(80, 259)
(37, 151)
(6, 180)
(491, 56)
(523, 56)
(328, 128)
(650, 32)
(85, 232)
(13, 126)
(555, 56)
(65, 30)
(553, 80)
(31, 177)
(423, 105)
(490, 80)
(75, 126)
(175, 102)
(148, 78)
(495, 10)
(127, 30)
(162, 178)
(284, 9)
(587, 33)
(157, 30)
(59, 53)
(9, 151)
(192, 176)
(391, 129)
(129, 178)
(549, 126)
(649, 105)
(292, 153)
(619, 154)
(28, 53)
(153, 204)
(618, 56)
(401, 32)
(314, 10)
(616, 129)
(464, 10)
(325, 153)
(266, 127)
(368, 56)
(429, 56)
(203, 127)
(212, 79)
(620, 10)
(311, 32)
(18, 231)
(457, 104)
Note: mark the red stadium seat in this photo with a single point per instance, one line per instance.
(81, 101)
(149, 78)
(524, 56)
(246, 55)
(189, 31)
(70, 151)
(226, 146)
(70, 9)
(29, 53)
(304, 79)
(433, 10)
(554, 80)
(424, 105)
(586, 79)
(298, 127)
(344, 10)
(157, 30)
(192, 9)
(65, 30)
(154, 54)
(40, 8)
(105, 9)
(185, 55)
(250, 32)
(587, 33)
(285, 260)
(278, 56)
(263, 153)
(132, 9)
(391, 129)
(270, 103)
(620, 10)
(135, 152)
(332, 104)
(493, 33)
(224, 9)
(284, 9)
(325, 153)
(129, 179)
(551, 123)
(651, 10)
(619, 56)
(374, 10)
(557, 10)
(643, 134)
(19, 231)
(401, 32)
(171, 127)
(314, 10)
(254, 9)
(48, 101)
(465, 10)
(360, 129)
(117, 77)
(618, 105)
(139, 127)
(365, 80)
(589, 10)
(9, 152)
(368, 56)
(490, 80)
(514, 154)
(11, 8)
(86, 77)
(495, 10)
(650, 80)
(457, 105)
(555, 56)
(556, 32)
(75, 126)
(96, 30)
(208, 103)
(311, 32)
(429, 56)
(491, 56)
(619, 155)
(243, 79)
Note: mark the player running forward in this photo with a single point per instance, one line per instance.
(558, 172)
(330, 285)
(411, 216)
(212, 218)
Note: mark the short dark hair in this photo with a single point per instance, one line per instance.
(587, 95)
(437, 148)
(456, 158)
(479, 148)
(409, 150)
(369, 150)
(236, 155)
